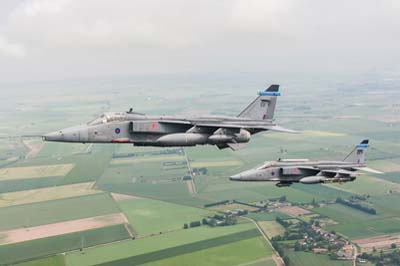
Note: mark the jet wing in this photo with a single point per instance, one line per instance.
(277, 128)
(309, 170)
(229, 126)
(180, 122)
(271, 128)
(369, 170)
(339, 172)
(327, 173)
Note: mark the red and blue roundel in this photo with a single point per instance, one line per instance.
(117, 130)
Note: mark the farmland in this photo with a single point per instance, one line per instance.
(124, 250)
(248, 250)
(46, 194)
(35, 171)
(44, 186)
(57, 244)
(307, 259)
(145, 215)
(56, 211)
(271, 228)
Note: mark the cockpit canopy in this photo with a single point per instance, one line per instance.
(108, 118)
(115, 117)
(265, 165)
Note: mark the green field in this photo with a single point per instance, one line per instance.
(149, 216)
(310, 259)
(357, 224)
(26, 184)
(371, 186)
(344, 214)
(267, 216)
(50, 261)
(57, 244)
(246, 251)
(185, 249)
(123, 250)
(34, 214)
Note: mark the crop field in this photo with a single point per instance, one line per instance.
(129, 249)
(56, 211)
(294, 211)
(184, 249)
(382, 241)
(267, 216)
(387, 205)
(247, 250)
(57, 244)
(35, 171)
(386, 165)
(216, 164)
(370, 185)
(309, 259)
(149, 180)
(356, 224)
(29, 184)
(145, 215)
(233, 206)
(55, 150)
(271, 228)
(50, 261)
(132, 160)
(46, 194)
(61, 228)
(344, 214)
(91, 166)
(392, 177)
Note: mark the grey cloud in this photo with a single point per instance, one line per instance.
(55, 38)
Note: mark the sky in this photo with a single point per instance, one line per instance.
(70, 39)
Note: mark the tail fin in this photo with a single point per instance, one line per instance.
(357, 155)
(263, 107)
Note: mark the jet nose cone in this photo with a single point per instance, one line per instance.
(248, 175)
(53, 136)
(236, 177)
(71, 134)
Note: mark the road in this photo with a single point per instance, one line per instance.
(276, 257)
(193, 184)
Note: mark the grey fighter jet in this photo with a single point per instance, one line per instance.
(304, 171)
(166, 131)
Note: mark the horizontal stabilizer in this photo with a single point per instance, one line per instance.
(369, 170)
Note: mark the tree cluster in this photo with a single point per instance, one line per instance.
(356, 205)
(391, 258)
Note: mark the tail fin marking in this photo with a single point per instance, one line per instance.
(263, 107)
(357, 155)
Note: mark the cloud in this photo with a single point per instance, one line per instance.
(60, 37)
(104, 24)
(11, 49)
(262, 16)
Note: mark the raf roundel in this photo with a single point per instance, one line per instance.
(117, 130)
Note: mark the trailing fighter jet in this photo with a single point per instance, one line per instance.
(166, 131)
(304, 171)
